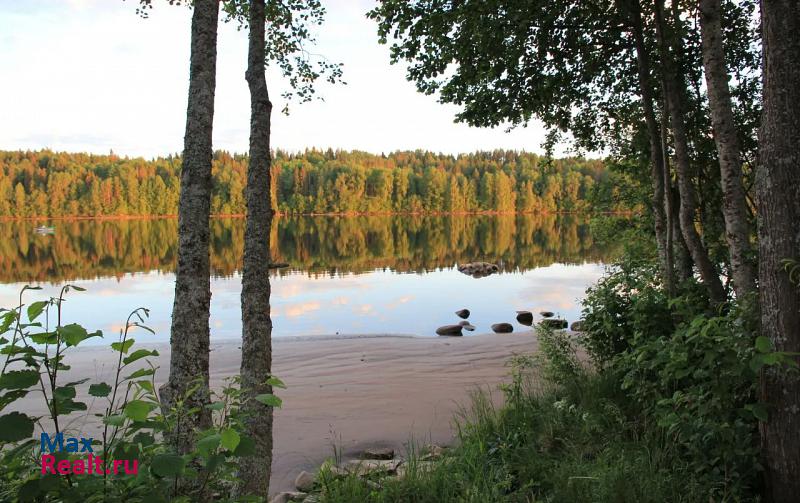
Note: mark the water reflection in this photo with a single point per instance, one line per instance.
(86, 249)
(347, 275)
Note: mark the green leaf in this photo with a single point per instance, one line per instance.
(138, 355)
(167, 465)
(65, 392)
(208, 444)
(67, 406)
(269, 399)
(100, 389)
(115, 420)
(73, 334)
(763, 344)
(216, 406)
(245, 448)
(122, 346)
(276, 383)
(44, 338)
(19, 379)
(138, 410)
(141, 373)
(12, 396)
(230, 439)
(35, 309)
(15, 426)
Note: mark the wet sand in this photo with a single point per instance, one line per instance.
(354, 392)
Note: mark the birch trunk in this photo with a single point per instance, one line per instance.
(674, 89)
(256, 322)
(189, 336)
(734, 210)
(778, 197)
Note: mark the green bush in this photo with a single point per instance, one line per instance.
(134, 422)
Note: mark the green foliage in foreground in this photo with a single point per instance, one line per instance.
(129, 436)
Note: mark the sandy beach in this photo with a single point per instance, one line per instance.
(356, 391)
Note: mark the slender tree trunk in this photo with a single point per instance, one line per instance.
(656, 152)
(256, 323)
(671, 221)
(778, 197)
(674, 93)
(734, 209)
(189, 337)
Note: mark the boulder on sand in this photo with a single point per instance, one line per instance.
(463, 313)
(502, 328)
(467, 325)
(546, 314)
(449, 330)
(525, 317)
(577, 326)
(378, 453)
(304, 482)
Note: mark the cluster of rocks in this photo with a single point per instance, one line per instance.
(478, 269)
(372, 464)
(523, 318)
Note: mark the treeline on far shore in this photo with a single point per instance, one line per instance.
(58, 184)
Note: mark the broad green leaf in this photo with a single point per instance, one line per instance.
(269, 399)
(15, 426)
(208, 444)
(759, 412)
(138, 410)
(65, 392)
(19, 379)
(245, 448)
(44, 338)
(35, 309)
(216, 406)
(230, 439)
(115, 420)
(763, 344)
(167, 465)
(67, 406)
(276, 383)
(12, 396)
(122, 346)
(138, 355)
(73, 334)
(100, 389)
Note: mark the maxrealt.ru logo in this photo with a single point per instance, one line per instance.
(91, 464)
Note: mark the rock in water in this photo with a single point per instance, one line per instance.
(577, 326)
(555, 323)
(525, 317)
(449, 330)
(304, 482)
(287, 497)
(502, 328)
(378, 453)
(463, 313)
(467, 326)
(546, 314)
(478, 269)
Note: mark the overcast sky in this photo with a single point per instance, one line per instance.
(90, 75)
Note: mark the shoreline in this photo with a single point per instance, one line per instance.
(351, 392)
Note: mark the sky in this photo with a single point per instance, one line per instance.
(92, 76)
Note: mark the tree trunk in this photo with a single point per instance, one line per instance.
(674, 90)
(734, 210)
(778, 197)
(189, 337)
(256, 323)
(656, 152)
(673, 238)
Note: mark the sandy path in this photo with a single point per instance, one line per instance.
(358, 392)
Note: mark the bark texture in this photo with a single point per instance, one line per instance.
(734, 209)
(189, 336)
(656, 151)
(675, 89)
(256, 322)
(778, 197)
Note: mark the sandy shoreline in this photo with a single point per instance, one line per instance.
(355, 391)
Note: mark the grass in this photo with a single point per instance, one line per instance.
(574, 442)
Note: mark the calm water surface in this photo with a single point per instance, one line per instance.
(347, 275)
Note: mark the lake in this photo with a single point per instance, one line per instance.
(347, 275)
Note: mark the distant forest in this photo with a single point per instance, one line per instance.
(56, 184)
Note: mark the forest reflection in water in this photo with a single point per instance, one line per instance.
(345, 275)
